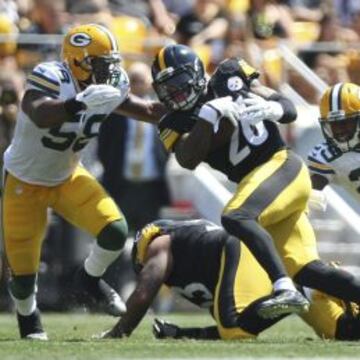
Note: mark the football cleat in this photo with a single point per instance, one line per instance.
(283, 302)
(30, 327)
(95, 294)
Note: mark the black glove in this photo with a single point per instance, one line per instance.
(163, 329)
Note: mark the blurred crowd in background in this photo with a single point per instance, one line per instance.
(324, 34)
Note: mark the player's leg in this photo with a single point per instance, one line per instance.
(330, 280)
(241, 288)
(24, 222)
(270, 193)
(83, 202)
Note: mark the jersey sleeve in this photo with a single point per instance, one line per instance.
(172, 126)
(46, 79)
(318, 165)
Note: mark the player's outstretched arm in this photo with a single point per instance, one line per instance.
(142, 109)
(47, 112)
(165, 330)
(151, 277)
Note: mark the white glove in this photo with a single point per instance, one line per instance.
(259, 109)
(95, 96)
(317, 200)
(215, 109)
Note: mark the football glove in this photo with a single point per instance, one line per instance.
(163, 329)
(215, 109)
(258, 109)
(95, 96)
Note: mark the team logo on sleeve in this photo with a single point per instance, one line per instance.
(80, 39)
(235, 83)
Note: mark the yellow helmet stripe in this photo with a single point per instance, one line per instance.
(110, 36)
(161, 59)
(335, 97)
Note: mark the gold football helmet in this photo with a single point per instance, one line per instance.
(340, 115)
(91, 53)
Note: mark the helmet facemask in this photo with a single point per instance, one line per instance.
(102, 69)
(342, 130)
(181, 88)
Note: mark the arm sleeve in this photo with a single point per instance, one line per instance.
(290, 112)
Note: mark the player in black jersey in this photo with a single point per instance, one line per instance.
(241, 139)
(214, 270)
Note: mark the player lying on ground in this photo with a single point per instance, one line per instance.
(242, 140)
(61, 111)
(213, 270)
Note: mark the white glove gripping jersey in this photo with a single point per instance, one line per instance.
(49, 156)
(337, 167)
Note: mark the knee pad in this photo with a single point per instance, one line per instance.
(114, 235)
(22, 286)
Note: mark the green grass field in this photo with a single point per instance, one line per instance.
(71, 339)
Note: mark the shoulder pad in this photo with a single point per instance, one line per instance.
(46, 78)
(317, 162)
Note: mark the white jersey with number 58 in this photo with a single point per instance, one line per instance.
(341, 168)
(49, 156)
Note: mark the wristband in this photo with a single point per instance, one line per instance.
(73, 106)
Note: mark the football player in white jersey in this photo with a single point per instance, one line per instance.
(62, 108)
(337, 159)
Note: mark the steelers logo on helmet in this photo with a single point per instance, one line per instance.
(340, 116)
(235, 83)
(91, 52)
(178, 77)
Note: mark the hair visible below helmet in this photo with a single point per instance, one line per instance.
(178, 77)
(92, 54)
(340, 114)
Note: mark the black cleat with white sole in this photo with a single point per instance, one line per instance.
(30, 327)
(283, 302)
(95, 294)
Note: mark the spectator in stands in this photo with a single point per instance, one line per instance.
(153, 10)
(207, 21)
(331, 65)
(47, 17)
(269, 20)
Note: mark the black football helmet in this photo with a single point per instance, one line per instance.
(178, 77)
(232, 77)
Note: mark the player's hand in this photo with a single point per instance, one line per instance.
(163, 329)
(114, 333)
(95, 96)
(258, 109)
(215, 109)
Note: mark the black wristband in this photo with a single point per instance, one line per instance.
(290, 112)
(72, 106)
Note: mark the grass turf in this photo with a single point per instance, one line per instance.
(70, 338)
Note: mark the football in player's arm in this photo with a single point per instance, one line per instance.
(213, 270)
(61, 111)
(337, 159)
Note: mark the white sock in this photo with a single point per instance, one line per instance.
(26, 306)
(99, 260)
(284, 283)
